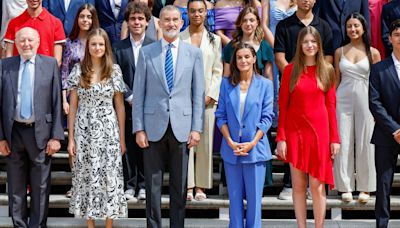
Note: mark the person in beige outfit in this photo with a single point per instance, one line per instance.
(352, 65)
(200, 170)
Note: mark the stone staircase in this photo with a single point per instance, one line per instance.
(212, 212)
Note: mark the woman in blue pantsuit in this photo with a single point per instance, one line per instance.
(244, 115)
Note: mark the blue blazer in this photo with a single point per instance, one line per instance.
(333, 12)
(390, 12)
(257, 114)
(66, 16)
(384, 102)
(107, 18)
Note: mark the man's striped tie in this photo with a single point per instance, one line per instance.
(169, 68)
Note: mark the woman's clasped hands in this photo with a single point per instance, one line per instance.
(241, 149)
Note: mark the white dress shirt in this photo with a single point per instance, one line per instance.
(396, 65)
(17, 115)
(243, 95)
(136, 47)
(66, 4)
(174, 50)
(116, 7)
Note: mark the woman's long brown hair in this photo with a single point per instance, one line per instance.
(95, 20)
(324, 73)
(106, 60)
(238, 33)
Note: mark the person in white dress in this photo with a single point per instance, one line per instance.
(352, 65)
(96, 136)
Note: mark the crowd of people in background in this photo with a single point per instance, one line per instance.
(142, 85)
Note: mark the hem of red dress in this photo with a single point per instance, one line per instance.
(331, 185)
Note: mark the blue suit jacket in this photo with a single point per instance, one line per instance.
(66, 16)
(335, 14)
(390, 12)
(107, 18)
(384, 102)
(257, 114)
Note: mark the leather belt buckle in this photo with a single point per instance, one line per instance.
(28, 125)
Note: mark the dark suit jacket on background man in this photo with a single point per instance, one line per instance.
(47, 125)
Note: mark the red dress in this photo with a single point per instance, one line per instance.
(307, 122)
(375, 12)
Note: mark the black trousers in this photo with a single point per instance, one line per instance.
(27, 159)
(168, 151)
(133, 169)
(385, 164)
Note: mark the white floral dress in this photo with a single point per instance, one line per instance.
(97, 178)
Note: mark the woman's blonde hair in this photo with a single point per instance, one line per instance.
(324, 72)
(106, 60)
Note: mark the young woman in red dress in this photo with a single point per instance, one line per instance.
(307, 128)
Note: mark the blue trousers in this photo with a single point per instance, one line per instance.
(245, 181)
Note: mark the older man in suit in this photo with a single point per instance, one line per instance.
(384, 103)
(30, 126)
(65, 10)
(126, 53)
(168, 109)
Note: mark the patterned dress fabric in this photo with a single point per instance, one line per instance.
(73, 54)
(97, 180)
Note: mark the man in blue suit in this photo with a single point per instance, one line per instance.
(65, 10)
(111, 16)
(335, 13)
(384, 103)
(390, 12)
(168, 110)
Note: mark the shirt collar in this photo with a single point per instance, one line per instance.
(41, 16)
(396, 62)
(133, 42)
(175, 43)
(32, 60)
(314, 22)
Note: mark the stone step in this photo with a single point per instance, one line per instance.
(217, 202)
(60, 222)
(64, 178)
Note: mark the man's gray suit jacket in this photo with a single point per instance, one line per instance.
(46, 99)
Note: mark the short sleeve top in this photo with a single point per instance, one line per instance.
(50, 30)
(288, 29)
(264, 54)
(117, 81)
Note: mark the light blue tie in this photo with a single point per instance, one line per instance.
(26, 92)
(169, 68)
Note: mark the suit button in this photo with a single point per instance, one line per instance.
(170, 97)
(167, 109)
(244, 126)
